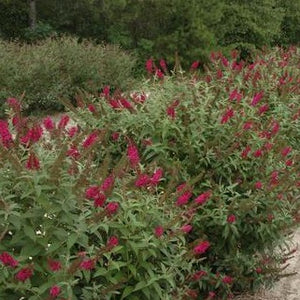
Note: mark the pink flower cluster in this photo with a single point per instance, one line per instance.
(236, 95)
(14, 104)
(5, 135)
(95, 193)
(8, 260)
(87, 264)
(202, 198)
(24, 274)
(48, 123)
(227, 116)
(33, 162)
(33, 135)
(54, 265)
(112, 242)
(256, 98)
(55, 291)
(63, 122)
(151, 68)
(73, 152)
(201, 248)
(185, 196)
(171, 109)
(133, 155)
(144, 180)
(90, 140)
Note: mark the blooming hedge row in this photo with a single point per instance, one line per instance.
(185, 190)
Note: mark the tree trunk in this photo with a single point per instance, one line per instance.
(32, 14)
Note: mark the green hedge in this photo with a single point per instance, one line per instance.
(57, 68)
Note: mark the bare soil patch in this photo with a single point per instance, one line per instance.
(288, 288)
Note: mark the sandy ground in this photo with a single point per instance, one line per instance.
(288, 288)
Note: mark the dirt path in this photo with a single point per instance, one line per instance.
(288, 288)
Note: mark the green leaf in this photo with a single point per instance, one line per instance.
(226, 231)
(27, 194)
(54, 246)
(140, 285)
(127, 291)
(158, 289)
(34, 297)
(116, 265)
(235, 230)
(43, 201)
(117, 249)
(72, 240)
(87, 275)
(146, 292)
(15, 220)
(28, 230)
(100, 272)
(82, 239)
(30, 250)
(132, 269)
(44, 287)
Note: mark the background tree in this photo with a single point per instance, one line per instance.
(13, 18)
(254, 22)
(32, 14)
(290, 25)
(158, 28)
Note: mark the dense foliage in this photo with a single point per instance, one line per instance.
(186, 189)
(232, 133)
(58, 68)
(189, 28)
(70, 229)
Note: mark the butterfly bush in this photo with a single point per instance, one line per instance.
(226, 140)
(75, 227)
(187, 189)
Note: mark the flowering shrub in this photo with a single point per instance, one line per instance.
(230, 135)
(74, 228)
(186, 190)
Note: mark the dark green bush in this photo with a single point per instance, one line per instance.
(13, 18)
(41, 31)
(57, 68)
